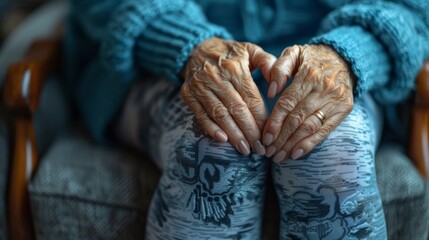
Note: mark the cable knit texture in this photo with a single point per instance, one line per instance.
(167, 43)
(356, 44)
(404, 35)
(105, 81)
(127, 23)
(110, 42)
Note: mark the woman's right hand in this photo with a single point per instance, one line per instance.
(220, 91)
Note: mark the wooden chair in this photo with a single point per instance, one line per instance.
(22, 91)
(419, 142)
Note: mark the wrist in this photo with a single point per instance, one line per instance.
(346, 64)
(203, 49)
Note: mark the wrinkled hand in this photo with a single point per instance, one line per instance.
(322, 82)
(220, 91)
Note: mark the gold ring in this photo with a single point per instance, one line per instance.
(321, 116)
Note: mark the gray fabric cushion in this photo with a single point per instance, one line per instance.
(84, 191)
(404, 193)
(4, 167)
(53, 117)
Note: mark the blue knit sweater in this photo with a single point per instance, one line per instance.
(110, 42)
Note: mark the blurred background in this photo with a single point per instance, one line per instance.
(12, 12)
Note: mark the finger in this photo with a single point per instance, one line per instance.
(258, 58)
(308, 144)
(242, 99)
(247, 88)
(310, 126)
(283, 69)
(220, 114)
(294, 120)
(285, 105)
(210, 127)
(217, 111)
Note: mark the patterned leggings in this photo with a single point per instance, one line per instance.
(210, 191)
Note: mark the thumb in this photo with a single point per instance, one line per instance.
(258, 58)
(283, 69)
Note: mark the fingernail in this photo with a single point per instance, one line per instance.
(243, 147)
(267, 139)
(270, 151)
(297, 153)
(280, 156)
(260, 149)
(272, 91)
(221, 136)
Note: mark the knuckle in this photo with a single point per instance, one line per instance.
(349, 108)
(292, 122)
(313, 141)
(253, 49)
(346, 105)
(195, 82)
(201, 117)
(255, 103)
(310, 127)
(324, 132)
(350, 104)
(276, 122)
(338, 91)
(238, 109)
(252, 100)
(276, 70)
(286, 104)
(219, 112)
(280, 141)
(289, 50)
(256, 47)
(313, 74)
(231, 64)
(184, 92)
(286, 51)
(231, 69)
(295, 47)
(296, 117)
(210, 73)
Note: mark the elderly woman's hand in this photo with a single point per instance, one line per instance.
(220, 91)
(318, 99)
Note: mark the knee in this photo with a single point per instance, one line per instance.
(354, 138)
(348, 152)
(217, 167)
(189, 148)
(213, 177)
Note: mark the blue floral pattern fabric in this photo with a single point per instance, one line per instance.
(210, 191)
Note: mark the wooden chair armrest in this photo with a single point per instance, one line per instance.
(25, 78)
(419, 142)
(423, 85)
(22, 91)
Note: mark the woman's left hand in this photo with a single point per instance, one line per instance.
(318, 99)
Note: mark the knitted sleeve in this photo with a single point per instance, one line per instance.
(159, 34)
(116, 37)
(385, 43)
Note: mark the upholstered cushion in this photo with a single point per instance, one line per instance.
(405, 195)
(4, 166)
(84, 191)
(53, 118)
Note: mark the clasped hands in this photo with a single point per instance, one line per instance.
(219, 90)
